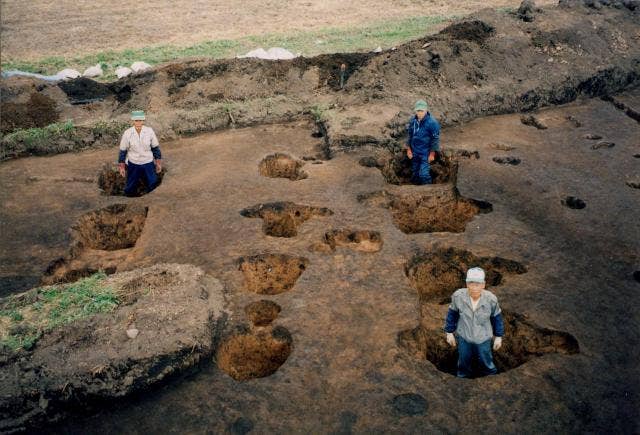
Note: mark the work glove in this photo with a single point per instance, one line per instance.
(497, 343)
(451, 339)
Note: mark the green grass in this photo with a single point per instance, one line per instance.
(35, 137)
(328, 40)
(24, 320)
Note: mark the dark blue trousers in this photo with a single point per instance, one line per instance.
(420, 170)
(137, 172)
(480, 354)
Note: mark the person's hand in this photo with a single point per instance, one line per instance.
(497, 343)
(432, 156)
(409, 153)
(451, 339)
(158, 166)
(121, 169)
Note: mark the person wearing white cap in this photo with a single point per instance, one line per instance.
(139, 155)
(473, 319)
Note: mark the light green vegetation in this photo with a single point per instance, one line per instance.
(24, 318)
(328, 40)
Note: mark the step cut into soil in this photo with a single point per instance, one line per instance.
(263, 312)
(358, 240)
(117, 226)
(255, 355)
(281, 219)
(281, 165)
(111, 182)
(435, 210)
(437, 274)
(522, 342)
(271, 274)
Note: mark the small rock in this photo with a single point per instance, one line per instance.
(43, 403)
(603, 144)
(123, 71)
(378, 50)
(132, 333)
(139, 66)
(68, 74)
(533, 122)
(591, 136)
(93, 71)
(426, 44)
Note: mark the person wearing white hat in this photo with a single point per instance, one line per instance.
(139, 155)
(473, 319)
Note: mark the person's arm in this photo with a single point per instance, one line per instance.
(451, 322)
(497, 324)
(409, 139)
(122, 155)
(155, 150)
(435, 141)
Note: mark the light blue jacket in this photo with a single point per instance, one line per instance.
(474, 326)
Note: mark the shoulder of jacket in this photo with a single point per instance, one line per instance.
(490, 296)
(458, 293)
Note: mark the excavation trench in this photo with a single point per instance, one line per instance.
(262, 313)
(522, 342)
(436, 210)
(117, 226)
(358, 240)
(437, 274)
(281, 165)
(271, 274)
(112, 183)
(282, 219)
(251, 355)
(397, 169)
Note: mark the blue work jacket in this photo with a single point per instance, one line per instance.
(424, 136)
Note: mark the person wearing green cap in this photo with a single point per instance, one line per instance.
(423, 143)
(140, 156)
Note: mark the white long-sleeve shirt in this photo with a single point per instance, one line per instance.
(138, 146)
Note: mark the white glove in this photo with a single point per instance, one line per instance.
(451, 339)
(497, 343)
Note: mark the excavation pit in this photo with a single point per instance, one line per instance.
(282, 219)
(255, 355)
(574, 203)
(397, 169)
(439, 210)
(507, 160)
(117, 226)
(522, 342)
(271, 274)
(358, 240)
(281, 165)
(437, 274)
(112, 183)
(263, 312)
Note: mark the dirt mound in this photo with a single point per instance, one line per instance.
(111, 182)
(358, 240)
(39, 111)
(84, 90)
(281, 165)
(437, 274)
(522, 342)
(282, 219)
(263, 312)
(271, 274)
(475, 31)
(177, 313)
(117, 226)
(438, 210)
(255, 355)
